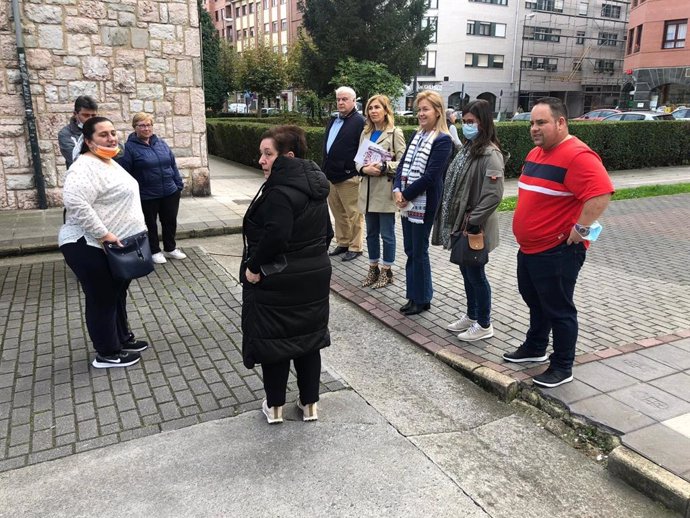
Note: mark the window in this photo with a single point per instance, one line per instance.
(428, 65)
(638, 38)
(274, 3)
(473, 60)
(583, 7)
(604, 66)
(496, 2)
(267, 28)
(251, 8)
(251, 31)
(432, 4)
(580, 38)
(577, 65)
(608, 39)
(228, 12)
(274, 27)
(611, 11)
(282, 2)
(433, 22)
(674, 34)
(239, 34)
(244, 10)
(267, 4)
(283, 24)
(555, 6)
(476, 28)
(540, 63)
(541, 34)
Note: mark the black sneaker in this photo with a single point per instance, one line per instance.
(520, 355)
(551, 378)
(134, 346)
(121, 359)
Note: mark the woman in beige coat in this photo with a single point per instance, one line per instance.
(376, 190)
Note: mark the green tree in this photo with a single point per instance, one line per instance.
(227, 65)
(367, 78)
(215, 88)
(262, 71)
(369, 30)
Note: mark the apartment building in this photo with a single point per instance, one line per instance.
(511, 52)
(657, 58)
(243, 22)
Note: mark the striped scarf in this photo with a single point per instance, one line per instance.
(413, 169)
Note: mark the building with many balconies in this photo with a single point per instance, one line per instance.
(657, 56)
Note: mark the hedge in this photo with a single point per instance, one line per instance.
(621, 145)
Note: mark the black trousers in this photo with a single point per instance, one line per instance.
(308, 375)
(106, 297)
(166, 208)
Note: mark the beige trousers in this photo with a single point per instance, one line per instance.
(349, 222)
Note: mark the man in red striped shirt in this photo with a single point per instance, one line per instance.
(563, 189)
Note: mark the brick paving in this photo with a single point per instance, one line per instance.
(634, 313)
(53, 404)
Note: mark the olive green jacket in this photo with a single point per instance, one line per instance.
(479, 191)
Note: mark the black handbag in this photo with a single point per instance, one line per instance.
(468, 249)
(131, 260)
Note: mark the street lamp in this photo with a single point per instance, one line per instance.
(522, 51)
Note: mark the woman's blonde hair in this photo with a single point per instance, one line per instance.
(141, 117)
(388, 116)
(436, 102)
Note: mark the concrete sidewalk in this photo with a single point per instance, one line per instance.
(633, 364)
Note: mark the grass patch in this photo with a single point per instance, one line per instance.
(646, 191)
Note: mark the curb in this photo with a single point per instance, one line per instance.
(503, 386)
(39, 248)
(650, 479)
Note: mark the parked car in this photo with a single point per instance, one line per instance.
(638, 116)
(524, 116)
(270, 111)
(597, 115)
(237, 108)
(405, 113)
(681, 114)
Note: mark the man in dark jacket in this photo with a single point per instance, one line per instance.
(70, 136)
(339, 150)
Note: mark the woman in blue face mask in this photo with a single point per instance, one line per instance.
(472, 191)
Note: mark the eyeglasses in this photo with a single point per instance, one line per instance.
(143, 126)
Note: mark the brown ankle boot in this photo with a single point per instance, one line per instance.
(385, 278)
(372, 275)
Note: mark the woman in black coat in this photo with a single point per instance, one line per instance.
(286, 272)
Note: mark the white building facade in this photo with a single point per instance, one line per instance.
(494, 49)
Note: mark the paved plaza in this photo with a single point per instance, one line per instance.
(633, 365)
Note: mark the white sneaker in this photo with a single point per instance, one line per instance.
(461, 325)
(274, 414)
(159, 258)
(175, 254)
(477, 332)
(309, 412)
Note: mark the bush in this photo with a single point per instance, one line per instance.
(621, 145)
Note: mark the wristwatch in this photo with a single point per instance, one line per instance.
(384, 165)
(582, 230)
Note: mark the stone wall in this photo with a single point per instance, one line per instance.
(129, 55)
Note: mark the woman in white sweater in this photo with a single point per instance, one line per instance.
(102, 205)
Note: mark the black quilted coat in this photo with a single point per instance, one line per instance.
(287, 231)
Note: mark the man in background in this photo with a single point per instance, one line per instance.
(70, 137)
(339, 150)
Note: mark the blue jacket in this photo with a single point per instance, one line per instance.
(153, 166)
(339, 164)
(431, 181)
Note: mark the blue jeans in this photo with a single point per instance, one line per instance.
(417, 267)
(381, 224)
(478, 292)
(547, 282)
